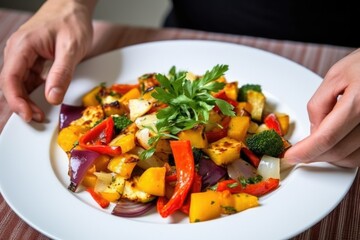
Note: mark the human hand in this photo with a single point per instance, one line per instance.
(60, 31)
(334, 113)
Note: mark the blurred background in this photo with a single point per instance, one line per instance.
(148, 13)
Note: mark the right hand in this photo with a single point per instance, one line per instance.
(61, 32)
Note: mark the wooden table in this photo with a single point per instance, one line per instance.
(342, 223)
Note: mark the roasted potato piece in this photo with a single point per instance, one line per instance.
(257, 101)
(224, 151)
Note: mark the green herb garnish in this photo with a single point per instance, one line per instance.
(251, 180)
(121, 122)
(189, 102)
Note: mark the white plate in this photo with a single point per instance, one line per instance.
(33, 170)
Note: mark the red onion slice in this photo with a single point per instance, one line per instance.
(241, 169)
(79, 163)
(69, 113)
(126, 208)
(210, 172)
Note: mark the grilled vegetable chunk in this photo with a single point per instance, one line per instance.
(133, 193)
(257, 101)
(90, 117)
(224, 151)
(196, 136)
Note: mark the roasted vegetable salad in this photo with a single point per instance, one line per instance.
(178, 142)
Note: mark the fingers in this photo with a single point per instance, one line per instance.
(60, 73)
(322, 98)
(335, 138)
(346, 152)
(16, 69)
(332, 135)
(353, 160)
(334, 113)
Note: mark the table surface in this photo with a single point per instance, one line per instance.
(342, 223)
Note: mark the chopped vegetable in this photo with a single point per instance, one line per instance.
(262, 188)
(79, 163)
(185, 170)
(269, 167)
(69, 113)
(210, 172)
(272, 122)
(121, 122)
(243, 90)
(126, 208)
(267, 142)
(98, 198)
(204, 206)
(98, 137)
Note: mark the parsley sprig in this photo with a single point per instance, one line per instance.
(188, 102)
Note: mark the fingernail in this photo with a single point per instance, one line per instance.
(55, 95)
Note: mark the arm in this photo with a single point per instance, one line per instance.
(60, 31)
(334, 113)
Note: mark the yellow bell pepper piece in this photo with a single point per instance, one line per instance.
(68, 137)
(233, 203)
(204, 206)
(244, 201)
(227, 202)
(90, 98)
(133, 93)
(152, 181)
(111, 196)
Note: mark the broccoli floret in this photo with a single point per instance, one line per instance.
(121, 122)
(267, 142)
(242, 93)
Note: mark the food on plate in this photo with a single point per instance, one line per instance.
(178, 142)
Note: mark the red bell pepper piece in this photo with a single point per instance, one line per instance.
(231, 185)
(123, 88)
(255, 189)
(98, 198)
(272, 122)
(196, 187)
(262, 188)
(250, 157)
(185, 170)
(160, 203)
(171, 178)
(97, 138)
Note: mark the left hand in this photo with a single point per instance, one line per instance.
(334, 113)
